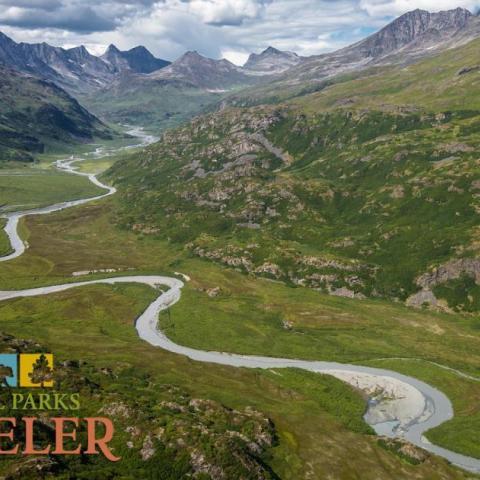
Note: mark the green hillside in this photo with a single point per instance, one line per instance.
(450, 81)
(37, 117)
(356, 198)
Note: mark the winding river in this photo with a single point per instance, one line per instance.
(407, 408)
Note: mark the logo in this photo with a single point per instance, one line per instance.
(27, 370)
(35, 370)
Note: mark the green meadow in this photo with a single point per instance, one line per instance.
(34, 187)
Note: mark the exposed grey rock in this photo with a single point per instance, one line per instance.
(466, 70)
(414, 29)
(347, 293)
(423, 297)
(199, 71)
(450, 271)
(75, 69)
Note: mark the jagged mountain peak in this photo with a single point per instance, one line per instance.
(138, 60)
(191, 55)
(5, 38)
(80, 50)
(112, 49)
(195, 69)
(271, 61)
(270, 50)
(457, 17)
(140, 49)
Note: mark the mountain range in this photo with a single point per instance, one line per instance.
(299, 181)
(135, 86)
(414, 34)
(75, 69)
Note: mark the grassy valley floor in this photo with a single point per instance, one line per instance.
(318, 419)
(28, 188)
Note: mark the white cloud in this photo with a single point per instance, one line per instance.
(235, 56)
(226, 12)
(398, 7)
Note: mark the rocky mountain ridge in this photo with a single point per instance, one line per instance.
(408, 39)
(202, 72)
(136, 60)
(412, 35)
(75, 69)
(416, 31)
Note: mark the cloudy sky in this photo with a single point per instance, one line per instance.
(216, 28)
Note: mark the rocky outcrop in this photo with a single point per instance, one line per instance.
(346, 293)
(451, 270)
(421, 298)
(285, 157)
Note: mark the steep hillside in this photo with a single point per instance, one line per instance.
(417, 33)
(354, 201)
(36, 116)
(74, 69)
(446, 81)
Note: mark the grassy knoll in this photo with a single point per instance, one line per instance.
(249, 316)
